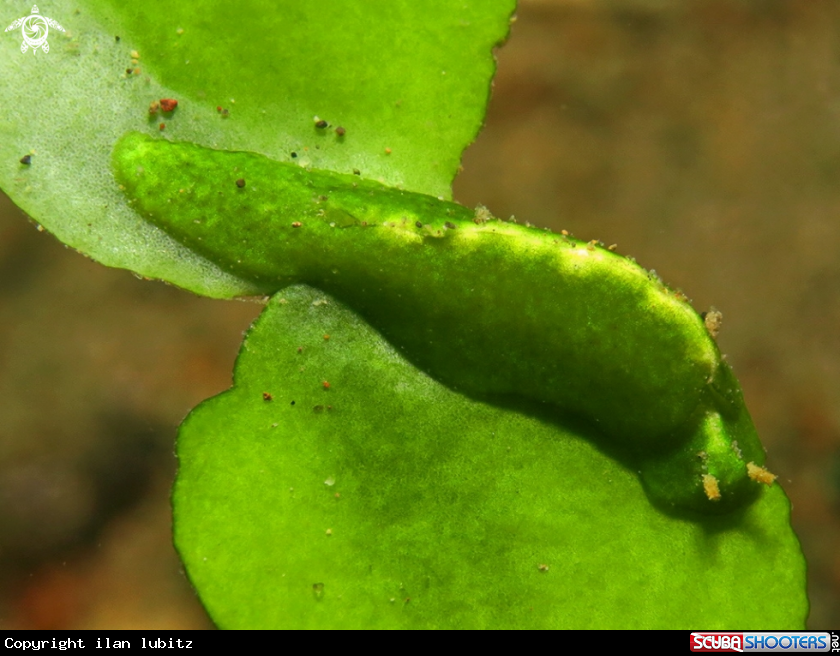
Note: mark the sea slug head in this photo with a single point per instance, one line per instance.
(710, 471)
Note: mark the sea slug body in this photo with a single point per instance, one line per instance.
(495, 310)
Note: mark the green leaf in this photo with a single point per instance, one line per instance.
(403, 75)
(390, 501)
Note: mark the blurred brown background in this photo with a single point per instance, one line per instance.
(701, 136)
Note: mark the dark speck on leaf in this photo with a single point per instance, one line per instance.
(240, 183)
(117, 39)
(356, 172)
(294, 154)
(418, 224)
(449, 225)
(321, 124)
(267, 396)
(293, 402)
(340, 131)
(26, 160)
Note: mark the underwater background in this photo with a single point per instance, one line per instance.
(703, 137)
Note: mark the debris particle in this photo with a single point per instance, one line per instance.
(340, 131)
(565, 233)
(267, 396)
(240, 183)
(326, 385)
(300, 349)
(449, 225)
(713, 320)
(710, 487)
(612, 247)
(136, 71)
(337, 495)
(318, 590)
(326, 337)
(296, 224)
(387, 151)
(162, 127)
(320, 123)
(356, 172)
(26, 160)
(154, 106)
(168, 104)
(482, 214)
(135, 54)
(543, 567)
(760, 474)
(318, 409)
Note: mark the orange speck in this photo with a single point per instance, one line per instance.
(711, 488)
(760, 474)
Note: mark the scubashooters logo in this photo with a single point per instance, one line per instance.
(35, 29)
(786, 642)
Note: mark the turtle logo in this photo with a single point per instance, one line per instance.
(34, 29)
